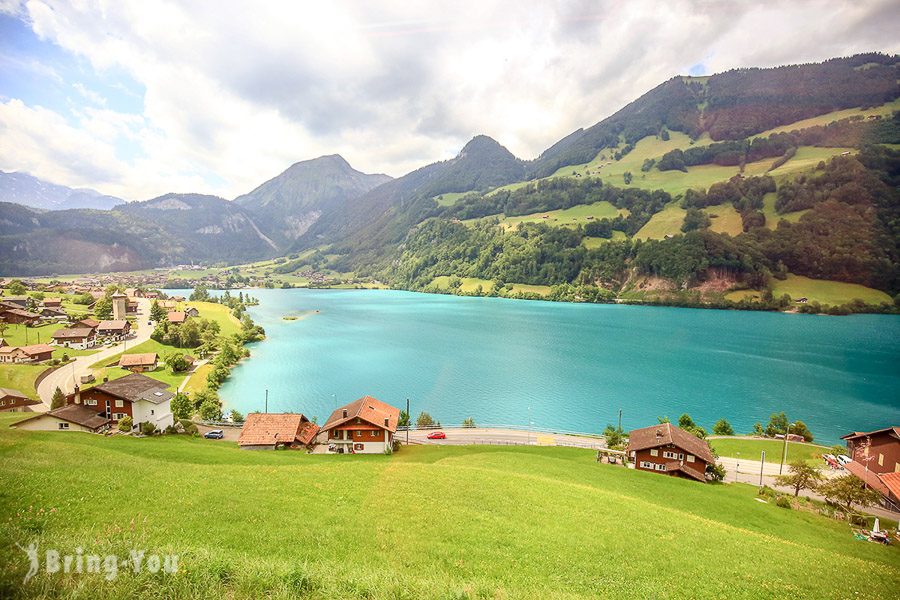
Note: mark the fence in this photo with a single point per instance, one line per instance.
(532, 429)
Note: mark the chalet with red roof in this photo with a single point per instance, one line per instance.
(269, 431)
(139, 363)
(176, 316)
(667, 449)
(876, 461)
(26, 354)
(366, 426)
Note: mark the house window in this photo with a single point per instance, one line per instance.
(646, 464)
(690, 458)
(374, 434)
(660, 467)
(119, 416)
(2, 402)
(63, 425)
(654, 452)
(151, 411)
(91, 402)
(359, 434)
(881, 460)
(674, 455)
(120, 403)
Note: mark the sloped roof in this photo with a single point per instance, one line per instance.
(74, 413)
(10, 393)
(687, 470)
(268, 429)
(137, 360)
(37, 349)
(93, 324)
(856, 434)
(176, 316)
(369, 410)
(871, 478)
(73, 333)
(112, 325)
(137, 387)
(666, 433)
(892, 482)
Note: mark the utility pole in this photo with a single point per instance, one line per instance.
(267, 401)
(620, 419)
(784, 452)
(407, 421)
(762, 464)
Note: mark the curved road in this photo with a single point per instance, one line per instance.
(65, 377)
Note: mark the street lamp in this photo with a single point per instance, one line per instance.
(784, 452)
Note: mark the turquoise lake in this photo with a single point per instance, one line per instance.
(575, 365)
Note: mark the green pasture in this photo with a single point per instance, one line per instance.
(428, 522)
(752, 449)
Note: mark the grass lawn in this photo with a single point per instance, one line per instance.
(773, 217)
(806, 159)
(197, 380)
(725, 219)
(885, 109)
(21, 377)
(751, 449)
(429, 522)
(543, 290)
(449, 198)
(592, 242)
(575, 215)
(827, 292)
(668, 221)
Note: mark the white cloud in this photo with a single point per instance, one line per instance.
(236, 95)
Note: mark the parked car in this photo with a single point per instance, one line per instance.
(831, 461)
(437, 435)
(214, 434)
(844, 459)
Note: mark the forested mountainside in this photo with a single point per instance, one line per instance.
(289, 204)
(171, 229)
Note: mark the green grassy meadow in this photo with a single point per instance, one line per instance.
(576, 215)
(668, 221)
(428, 522)
(828, 292)
(21, 378)
(596, 242)
(751, 449)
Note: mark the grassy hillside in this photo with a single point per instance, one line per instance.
(429, 522)
(751, 449)
(818, 290)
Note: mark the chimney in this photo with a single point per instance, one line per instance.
(659, 433)
(77, 395)
(345, 413)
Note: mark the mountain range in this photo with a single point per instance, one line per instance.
(22, 188)
(736, 119)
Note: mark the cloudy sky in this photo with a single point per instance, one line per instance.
(137, 98)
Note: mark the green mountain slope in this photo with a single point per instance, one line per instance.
(290, 203)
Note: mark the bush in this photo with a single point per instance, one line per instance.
(126, 424)
(715, 472)
(783, 502)
(469, 423)
(189, 426)
(171, 429)
(148, 428)
(723, 427)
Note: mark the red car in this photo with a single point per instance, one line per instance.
(437, 435)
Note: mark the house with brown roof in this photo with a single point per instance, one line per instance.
(269, 431)
(138, 363)
(71, 417)
(11, 355)
(89, 323)
(18, 316)
(81, 338)
(366, 426)
(665, 448)
(177, 317)
(54, 314)
(876, 460)
(15, 401)
(25, 354)
(142, 398)
(52, 302)
(114, 330)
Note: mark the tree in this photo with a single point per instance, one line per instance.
(778, 423)
(800, 428)
(3, 327)
(802, 477)
(177, 362)
(849, 491)
(627, 177)
(59, 399)
(758, 429)
(126, 423)
(103, 308)
(84, 299)
(211, 410)
(424, 421)
(468, 423)
(686, 422)
(236, 416)
(695, 219)
(16, 288)
(181, 406)
(157, 312)
(715, 471)
(723, 427)
(403, 421)
(615, 437)
(663, 419)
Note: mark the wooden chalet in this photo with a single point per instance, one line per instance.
(89, 323)
(139, 363)
(34, 353)
(81, 338)
(365, 426)
(876, 461)
(176, 317)
(19, 316)
(665, 448)
(15, 401)
(116, 330)
(269, 431)
(52, 302)
(71, 417)
(142, 398)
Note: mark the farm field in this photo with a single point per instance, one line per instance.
(773, 217)
(725, 219)
(524, 510)
(575, 215)
(806, 159)
(751, 449)
(818, 290)
(595, 242)
(887, 108)
(668, 221)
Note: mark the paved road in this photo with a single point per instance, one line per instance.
(65, 377)
(502, 436)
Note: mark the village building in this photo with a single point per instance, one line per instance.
(52, 303)
(15, 401)
(18, 301)
(34, 353)
(71, 417)
(116, 330)
(89, 323)
(119, 302)
(139, 363)
(876, 461)
(18, 316)
(176, 317)
(366, 426)
(269, 431)
(81, 338)
(191, 311)
(665, 448)
(142, 398)
(54, 314)
(11, 355)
